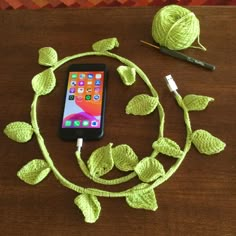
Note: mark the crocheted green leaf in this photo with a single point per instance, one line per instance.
(196, 102)
(90, 207)
(206, 143)
(47, 56)
(44, 82)
(100, 162)
(105, 45)
(34, 171)
(19, 131)
(142, 105)
(124, 157)
(127, 74)
(143, 199)
(149, 169)
(168, 147)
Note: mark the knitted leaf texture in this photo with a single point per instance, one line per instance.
(149, 169)
(124, 157)
(127, 74)
(90, 207)
(47, 56)
(34, 171)
(168, 147)
(206, 143)
(103, 159)
(105, 45)
(196, 102)
(100, 162)
(44, 82)
(19, 131)
(142, 200)
(142, 104)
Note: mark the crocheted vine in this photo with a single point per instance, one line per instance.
(149, 170)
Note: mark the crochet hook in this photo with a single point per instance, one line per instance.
(181, 56)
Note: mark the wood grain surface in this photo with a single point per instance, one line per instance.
(200, 199)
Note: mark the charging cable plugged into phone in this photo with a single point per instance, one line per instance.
(79, 144)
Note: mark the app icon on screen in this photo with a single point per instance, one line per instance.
(81, 83)
(94, 123)
(89, 90)
(98, 76)
(76, 123)
(82, 76)
(88, 97)
(72, 90)
(71, 97)
(96, 97)
(80, 90)
(73, 83)
(68, 123)
(79, 98)
(90, 76)
(90, 82)
(96, 89)
(74, 76)
(98, 82)
(85, 123)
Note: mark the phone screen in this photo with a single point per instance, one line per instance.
(83, 105)
(83, 108)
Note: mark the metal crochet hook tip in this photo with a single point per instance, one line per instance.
(149, 44)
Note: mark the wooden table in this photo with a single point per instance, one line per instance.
(200, 199)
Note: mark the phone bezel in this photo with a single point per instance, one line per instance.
(85, 133)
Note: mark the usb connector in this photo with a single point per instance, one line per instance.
(171, 84)
(79, 144)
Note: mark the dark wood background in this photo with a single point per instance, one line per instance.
(200, 199)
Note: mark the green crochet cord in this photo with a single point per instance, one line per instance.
(149, 170)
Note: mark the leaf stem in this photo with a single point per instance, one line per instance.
(99, 192)
(116, 181)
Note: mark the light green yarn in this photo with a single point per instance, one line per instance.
(19, 131)
(90, 207)
(34, 171)
(142, 104)
(176, 28)
(149, 169)
(207, 143)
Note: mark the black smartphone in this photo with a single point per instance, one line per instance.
(84, 104)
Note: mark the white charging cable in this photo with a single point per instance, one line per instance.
(171, 84)
(79, 144)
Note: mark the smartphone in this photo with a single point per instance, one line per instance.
(84, 104)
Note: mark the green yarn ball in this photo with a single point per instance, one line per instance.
(175, 27)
